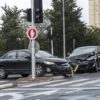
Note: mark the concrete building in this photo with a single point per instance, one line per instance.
(94, 13)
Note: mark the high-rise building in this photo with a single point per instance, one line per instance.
(94, 13)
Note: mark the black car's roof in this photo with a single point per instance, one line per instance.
(87, 47)
(84, 50)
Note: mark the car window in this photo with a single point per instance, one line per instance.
(83, 50)
(22, 55)
(11, 55)
(43, 54)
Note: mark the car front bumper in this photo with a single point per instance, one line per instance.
(83, 66)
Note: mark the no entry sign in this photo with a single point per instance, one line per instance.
(32, 33)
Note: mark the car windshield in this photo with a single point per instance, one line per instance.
(43, 54)
(83, 50)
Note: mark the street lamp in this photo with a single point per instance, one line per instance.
(64, 41)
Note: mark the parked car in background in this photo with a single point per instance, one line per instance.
(19, 62)
(87, 57)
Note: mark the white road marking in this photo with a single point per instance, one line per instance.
(3, 81)
(40, 93)
(76, 90)
(40, 89)
(70, 82)
(43, 83)
(45, 92)
(86, 83)
(98, 84)
(14, 95)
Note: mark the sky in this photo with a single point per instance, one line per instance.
(24, 4)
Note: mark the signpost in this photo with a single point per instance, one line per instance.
(32, 35)
(32, 32)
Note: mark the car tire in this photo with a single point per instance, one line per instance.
(39, 70)
(71, 73)
(25, 75)
(3, 74)
(95, 68)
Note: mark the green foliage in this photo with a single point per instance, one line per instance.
(12, 32)
(92, 36)
(74, 28)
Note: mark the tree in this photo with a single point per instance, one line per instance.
(92, 36)
(75, 29)
(12, 32)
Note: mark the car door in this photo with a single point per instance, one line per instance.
(10, 61)
(24, 62)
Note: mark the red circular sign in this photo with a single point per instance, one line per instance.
(32, 33)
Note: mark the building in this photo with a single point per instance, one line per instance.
(94, 13)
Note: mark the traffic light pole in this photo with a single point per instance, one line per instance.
(32, 42)
(64, 41)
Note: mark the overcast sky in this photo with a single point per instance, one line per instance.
(23, 4)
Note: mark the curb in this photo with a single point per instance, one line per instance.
(7, 85)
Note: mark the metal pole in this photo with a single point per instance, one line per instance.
(64, 47)
(74, 44)
(32, 43)
(52, 42)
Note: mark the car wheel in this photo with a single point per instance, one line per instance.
(25, 75)
(39, 70)
(95, 68)
(3, 74)
(70, 72)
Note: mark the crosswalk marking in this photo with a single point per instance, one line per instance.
(98, 84)
(1, 81)
(43, 83)
(86, 83)
(70, 82)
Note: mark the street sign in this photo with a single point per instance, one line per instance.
(32, 33)
(36, 46)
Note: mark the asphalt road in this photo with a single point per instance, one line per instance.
(84, 86)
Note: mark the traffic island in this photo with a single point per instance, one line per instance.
(37, 79)
(29, 80)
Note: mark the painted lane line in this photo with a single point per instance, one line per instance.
(72, 91)
(3, 81)
(86, 83)
(43, 83)
(40, 93)
(40, 89)
(13, 95)
(66, 83)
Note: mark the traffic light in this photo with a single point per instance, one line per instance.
(29, 16)
(38, 13)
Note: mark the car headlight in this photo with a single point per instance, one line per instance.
(49, 63)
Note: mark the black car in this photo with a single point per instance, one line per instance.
(19, 62)
(87, 57)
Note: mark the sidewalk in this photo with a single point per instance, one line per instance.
(29, 79)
